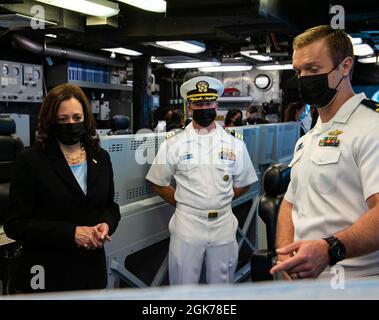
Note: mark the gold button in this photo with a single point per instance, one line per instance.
(226, 178)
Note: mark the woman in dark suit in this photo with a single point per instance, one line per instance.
(61, 199)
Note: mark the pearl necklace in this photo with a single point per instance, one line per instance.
(78, 158)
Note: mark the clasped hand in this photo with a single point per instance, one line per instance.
(92, 237)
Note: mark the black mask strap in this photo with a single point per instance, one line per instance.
(339, 83)
(333, 70)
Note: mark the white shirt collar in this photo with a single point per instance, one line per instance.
(343, 114)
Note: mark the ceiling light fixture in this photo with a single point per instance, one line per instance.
(124, 51)
(254, 55)
(269, 67)
(183, 46)
(155, 60)
(374, 59)
(363, 50)
(355, 40)
(99, 8)
(227, 68)
(192, 64)
(260, 57)
(148, 5)
(51, 35)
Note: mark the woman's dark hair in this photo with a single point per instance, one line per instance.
(176, 120)
(160, 114)
(48, 115)
(290, 112)
(231, 114)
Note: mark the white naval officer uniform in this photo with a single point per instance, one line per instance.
(205, 169)
(335, 169)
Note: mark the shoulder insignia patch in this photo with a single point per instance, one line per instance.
(170, 134)
(173, 133)
(373, 105)
(234, 133)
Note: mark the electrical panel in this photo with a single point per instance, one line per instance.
(104, 110)
(95, 106)
(20, 82)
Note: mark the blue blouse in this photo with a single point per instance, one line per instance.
(80, 173)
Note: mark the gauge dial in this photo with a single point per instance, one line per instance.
(36, 75)
(16, 71)
(4, 70)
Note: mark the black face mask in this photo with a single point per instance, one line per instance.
(204, 117)
(251, 120)
(315, 91)
(238, 122)
(69, 133)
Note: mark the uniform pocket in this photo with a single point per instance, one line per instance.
(226, 166)
(225, 172)
(187, 166)
(187, 175)
(326, 157)
(223, 178)
(325, 169)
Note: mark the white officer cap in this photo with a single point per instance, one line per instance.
(201, 89)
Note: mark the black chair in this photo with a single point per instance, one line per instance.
(275, 182)
(120, 125)
(10, 145)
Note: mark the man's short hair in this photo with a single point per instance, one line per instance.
(338, 42)
(252, 109)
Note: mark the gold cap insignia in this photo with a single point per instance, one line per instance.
(202, 86)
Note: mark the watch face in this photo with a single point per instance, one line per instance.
(338, 251)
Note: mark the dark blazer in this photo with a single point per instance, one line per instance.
(46, 205)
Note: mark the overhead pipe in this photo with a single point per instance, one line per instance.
(67, 53)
